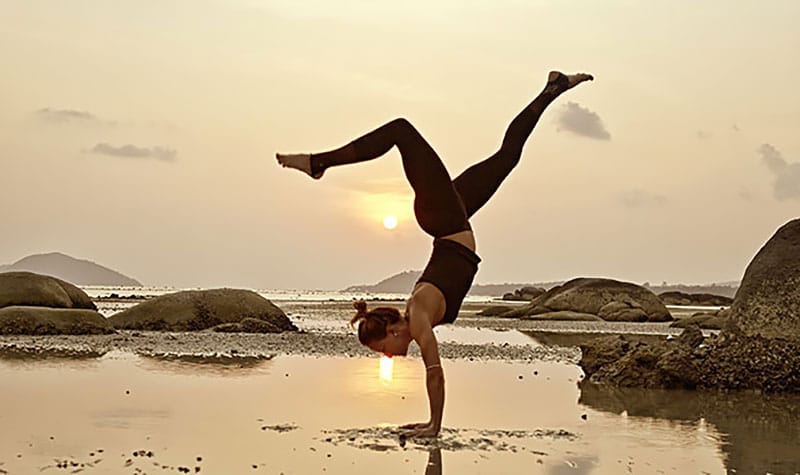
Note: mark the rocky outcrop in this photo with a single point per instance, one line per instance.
(19, 320)
(701, 300)
(35, 290)
(768, 300)
(608, 299)
(202, 309)
(756, 349)
(524, 293)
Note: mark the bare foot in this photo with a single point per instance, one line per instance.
(560, 82)
(298, 161)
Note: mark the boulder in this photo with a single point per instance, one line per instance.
(28, 320)
(201, 309)
(609, 299)
(702, 300)
(768, 300)
(36, 290)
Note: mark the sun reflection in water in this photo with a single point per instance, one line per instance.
(386, 368)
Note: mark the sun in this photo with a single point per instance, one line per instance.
(390, 222)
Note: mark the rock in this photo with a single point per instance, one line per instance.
(703, 300)
(202, 309)
(620, 362)
(620, 301)
(524, 293)
(29, 320)
(36, 290)
(711, 321)
(247, 325)
(690, 337)
(565, 315)
(602, 351)
(622, 312)
(494, 310)
(768, 300)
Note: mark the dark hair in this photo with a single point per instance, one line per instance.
(372, 324)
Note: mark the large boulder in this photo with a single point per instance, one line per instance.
(20, 320)
(609, 299)
(29, 289)
(201, 309)
(768, 300)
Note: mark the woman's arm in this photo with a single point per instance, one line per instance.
(421, 310)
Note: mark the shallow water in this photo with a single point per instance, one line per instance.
(298, 414)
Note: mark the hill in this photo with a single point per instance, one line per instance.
(74, 271)
(404, 282)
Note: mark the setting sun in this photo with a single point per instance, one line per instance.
(390, 222)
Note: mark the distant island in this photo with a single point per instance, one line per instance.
(404, 282)
(74, 271)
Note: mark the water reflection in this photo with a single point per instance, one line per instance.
(199, 366)
(760, 433)
(434, 466)
(386, 368)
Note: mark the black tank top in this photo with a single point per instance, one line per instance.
(451, 268)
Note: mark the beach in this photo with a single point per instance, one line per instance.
(315, 401)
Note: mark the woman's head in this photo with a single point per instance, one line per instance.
(382, 329)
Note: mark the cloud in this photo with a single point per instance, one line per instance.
(580, 120)
(640, 198)
(132, 151)
(65, 115)
(787, 175)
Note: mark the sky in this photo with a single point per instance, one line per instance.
(141, 135)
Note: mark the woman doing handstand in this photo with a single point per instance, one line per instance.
(442, 208)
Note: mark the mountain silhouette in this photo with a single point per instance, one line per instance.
(74, 271)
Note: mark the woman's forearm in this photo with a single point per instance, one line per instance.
(434, 382)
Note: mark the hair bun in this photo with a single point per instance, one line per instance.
(361, 312)
(360, 306)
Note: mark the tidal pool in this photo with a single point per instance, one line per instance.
(122, 413)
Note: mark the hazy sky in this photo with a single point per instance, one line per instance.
(141, 135)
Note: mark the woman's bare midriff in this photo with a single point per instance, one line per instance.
(466, 238)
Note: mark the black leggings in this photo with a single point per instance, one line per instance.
(442, 206)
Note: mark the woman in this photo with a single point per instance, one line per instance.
(442, 208)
